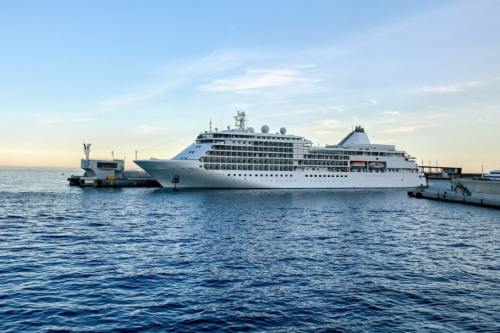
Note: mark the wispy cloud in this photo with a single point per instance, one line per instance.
(448, 88)
(143, 130)
(327, 123)
(305, 66)
(435, 116)
(53, 121)
(126, 100)
(135, 98)
(326, 128)
(435, 107)
(239, 106)
(300, 111)
(369, 103)
(400, 129)
(387, 112)
(220, 60)
(256, 79)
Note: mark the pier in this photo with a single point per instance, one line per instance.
(129, 179)
(449, 184)
(109, 173)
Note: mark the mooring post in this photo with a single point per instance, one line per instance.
(175, 180)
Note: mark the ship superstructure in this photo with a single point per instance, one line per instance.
(242, 158)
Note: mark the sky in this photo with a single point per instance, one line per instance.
(148, 76)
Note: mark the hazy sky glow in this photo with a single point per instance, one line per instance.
(125, 76)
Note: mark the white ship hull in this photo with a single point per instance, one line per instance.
(190, 175)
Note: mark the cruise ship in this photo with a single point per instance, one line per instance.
(241, 158)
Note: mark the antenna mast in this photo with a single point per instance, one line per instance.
(86, 150)
(240, 120)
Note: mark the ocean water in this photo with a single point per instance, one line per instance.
(155, 260)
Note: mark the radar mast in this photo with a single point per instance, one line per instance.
(86, 150)
(240, 120)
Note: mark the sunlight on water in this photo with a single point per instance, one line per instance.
(149, 259)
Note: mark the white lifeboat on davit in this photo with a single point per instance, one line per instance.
(376, 165)
(355, 164)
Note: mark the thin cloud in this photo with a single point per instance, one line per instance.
(125, 101)
(387, 112)
(369, 103)
(256, 79)
(448, 88)
(218, 61)
(144, 130)
(135, 98)
(435, 107)
(54, 121)
(327, 123)
(325, 134)
(305, 66)
(400, 129)
(435, 116)
(239, 106)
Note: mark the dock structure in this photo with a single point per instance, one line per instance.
(109, 173)
(456, 187)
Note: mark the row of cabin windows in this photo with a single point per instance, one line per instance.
(268, 146)
(246, 161)
(247, 167)
(257, 175)
(326, 176)
(231, 136)
(341, 163)
(357, 153)
(251, 148)
(107, 165)
(271, 161)
(239, 153)
(326, 157)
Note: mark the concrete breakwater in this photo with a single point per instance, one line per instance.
(477, 192)
(127, 179)
(109, 173)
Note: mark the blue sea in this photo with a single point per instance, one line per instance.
(155, 260)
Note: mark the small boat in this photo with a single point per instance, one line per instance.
(376, 165)
(355, 164)
(493, 175)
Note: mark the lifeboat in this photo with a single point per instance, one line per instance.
(376, 165)
(358, 164)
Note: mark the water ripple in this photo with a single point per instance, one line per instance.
(153, 260)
